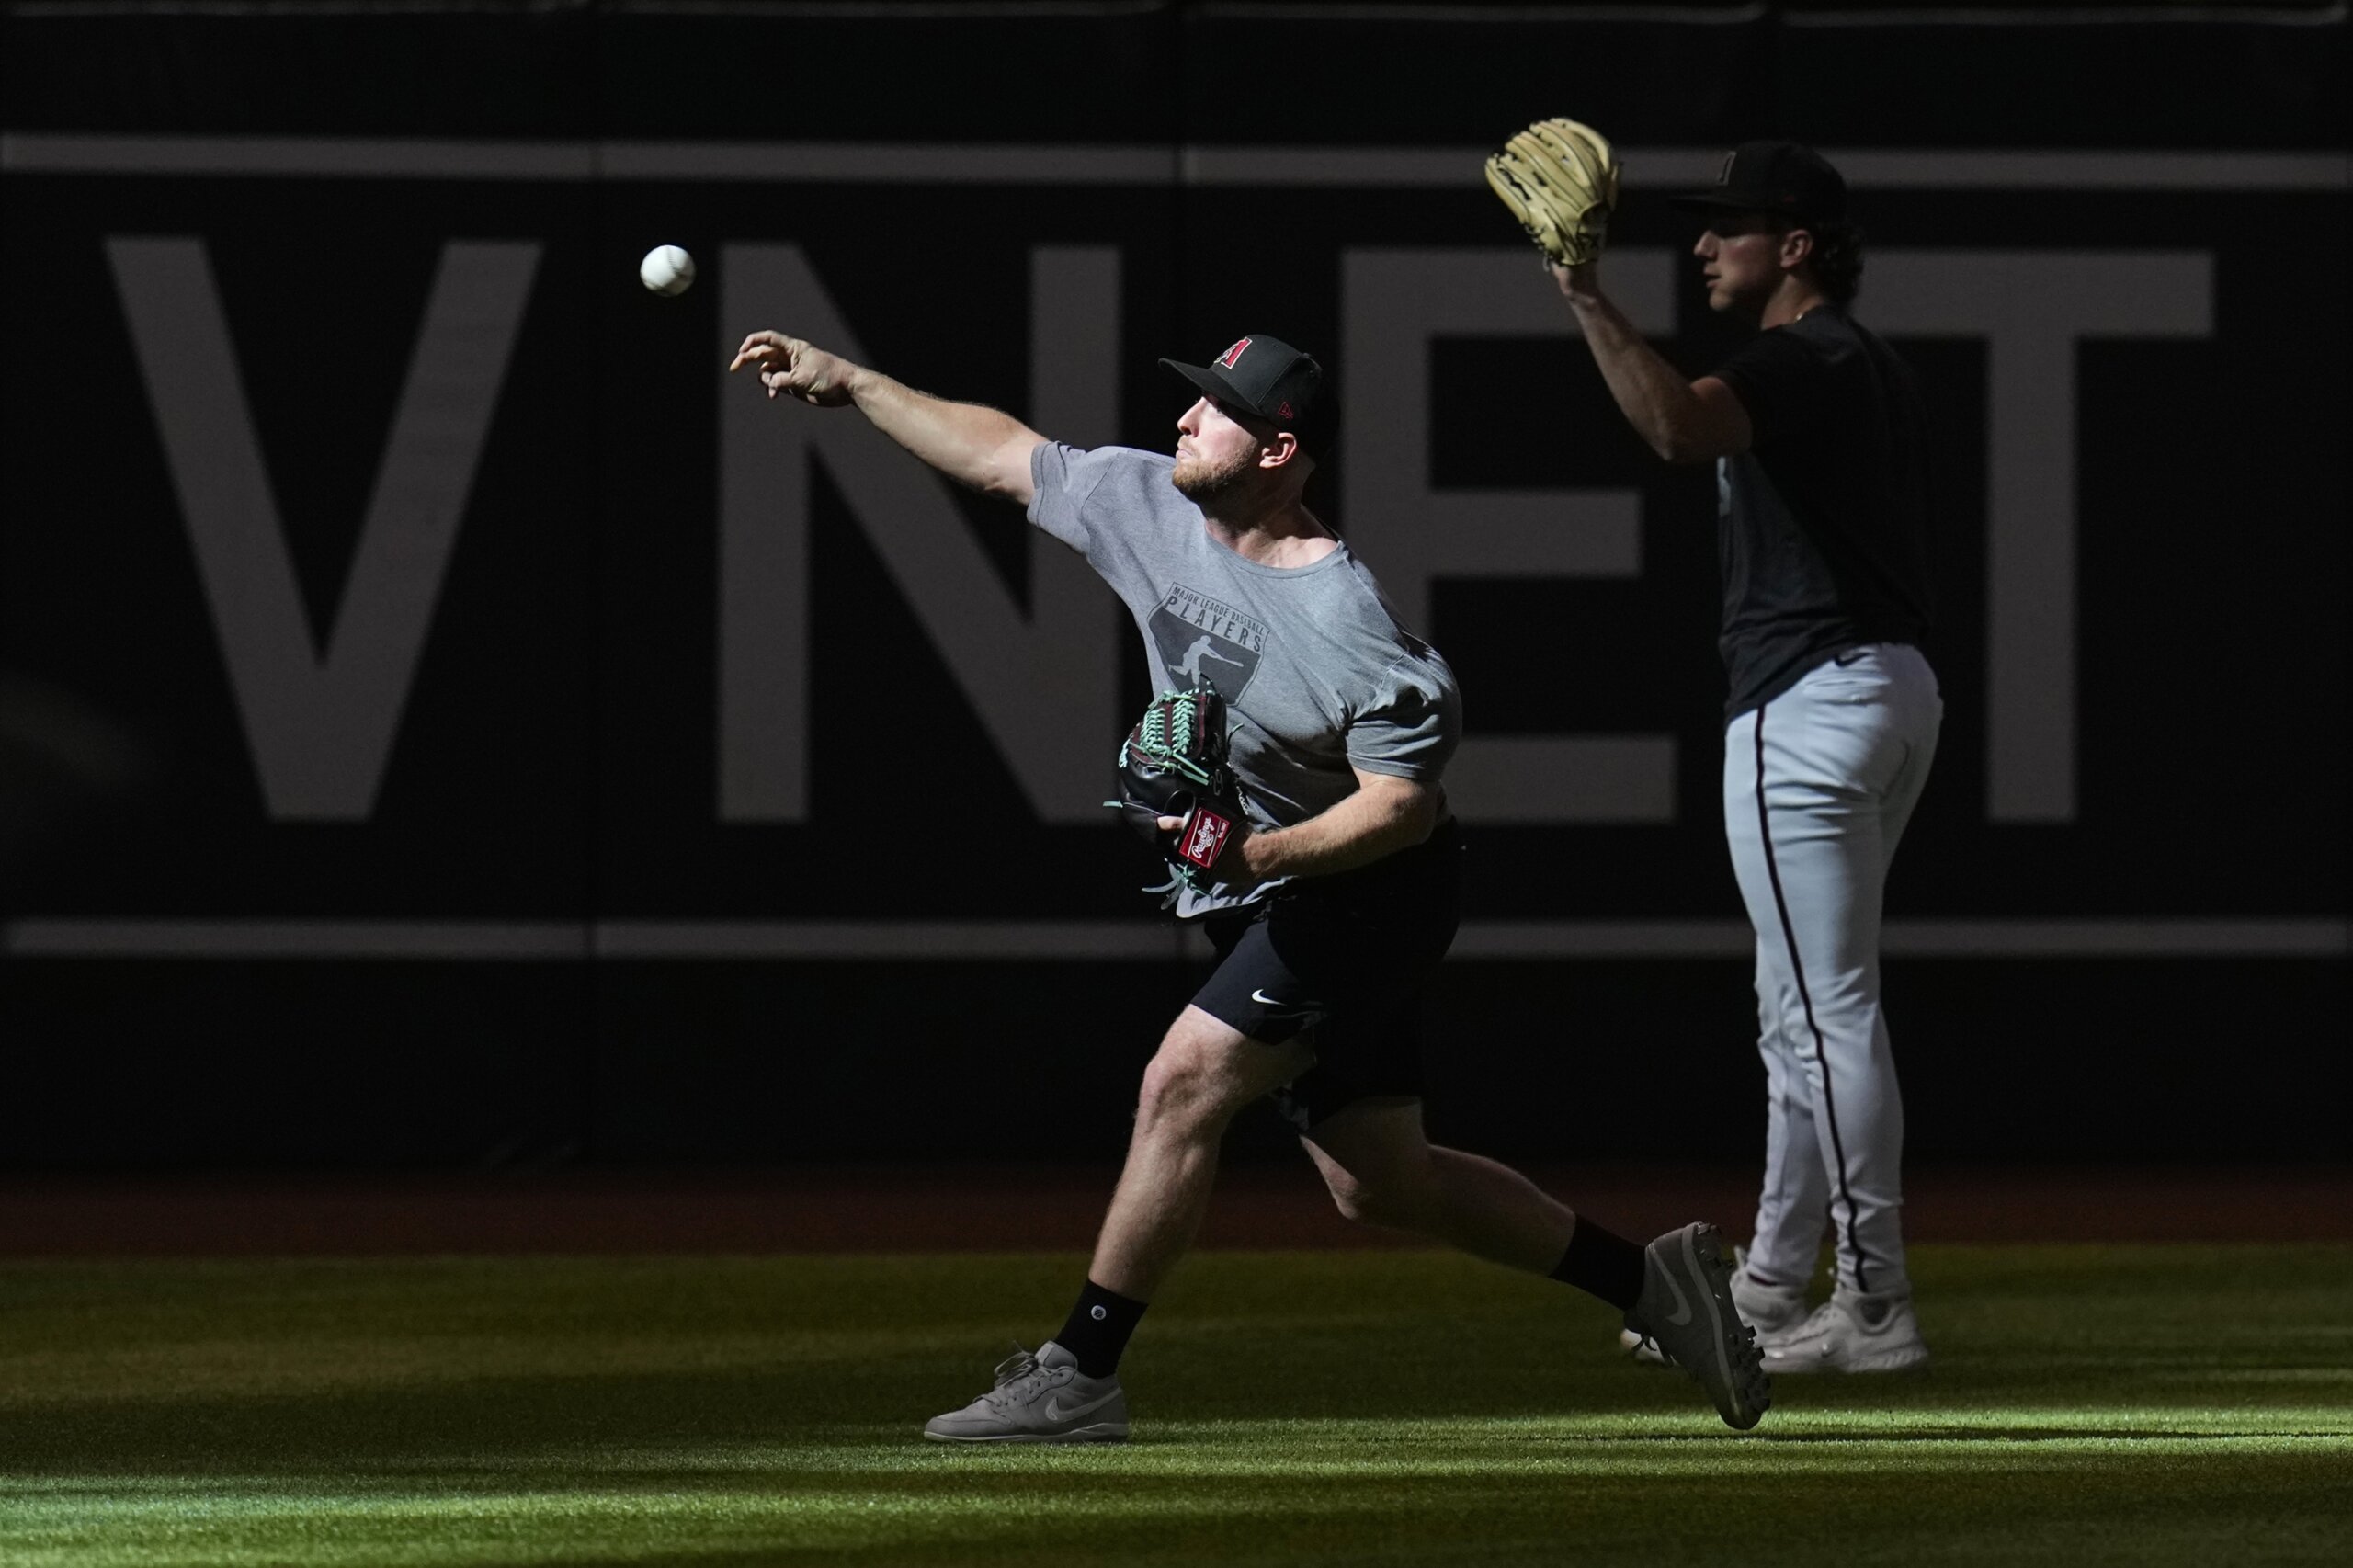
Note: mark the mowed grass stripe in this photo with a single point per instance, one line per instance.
(2159, 1512)
(2103, 1405)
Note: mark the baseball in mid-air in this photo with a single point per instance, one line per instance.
(667, 269)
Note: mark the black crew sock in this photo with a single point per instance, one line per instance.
(1097, 1332)
(1602, 1262)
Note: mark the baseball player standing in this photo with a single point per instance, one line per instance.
(1822, 483)
(1330, 896)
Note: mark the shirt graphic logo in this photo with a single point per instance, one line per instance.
(1226, 360)
(1200, 640)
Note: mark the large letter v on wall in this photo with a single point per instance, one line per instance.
(320, 713)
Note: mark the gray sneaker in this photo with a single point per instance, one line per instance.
(1768, 1309)
(1038, 1399)
(1686, 1309)
(1851, 1333)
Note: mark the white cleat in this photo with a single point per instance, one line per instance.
(1850, 1333)
(1685, 1310)
(1768, 1309)
(1038, 1399)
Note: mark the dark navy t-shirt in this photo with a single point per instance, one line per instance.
(1822, 523)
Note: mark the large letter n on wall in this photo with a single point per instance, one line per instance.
(1043, 686)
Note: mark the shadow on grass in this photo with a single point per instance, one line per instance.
(508, 1430)
(138, 1370)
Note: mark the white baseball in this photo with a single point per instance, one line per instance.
(667, 269)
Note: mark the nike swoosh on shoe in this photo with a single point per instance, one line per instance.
(1055, 1412)
(1682, 1313)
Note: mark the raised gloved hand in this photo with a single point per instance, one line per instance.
(1559, 179)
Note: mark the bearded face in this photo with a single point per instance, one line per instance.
(1199, 478)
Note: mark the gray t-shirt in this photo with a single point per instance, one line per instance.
(1317, 676)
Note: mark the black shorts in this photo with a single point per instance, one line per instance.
(1340, 963)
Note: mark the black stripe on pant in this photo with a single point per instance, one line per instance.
(1805, 997)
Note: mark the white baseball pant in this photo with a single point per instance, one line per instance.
(1818, 785)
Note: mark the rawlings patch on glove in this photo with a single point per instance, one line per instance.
(1559, 179)
(1172, 765)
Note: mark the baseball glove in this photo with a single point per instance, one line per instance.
(1172, 765)
(1559, 179)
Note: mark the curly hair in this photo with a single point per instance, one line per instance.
(1836, 260)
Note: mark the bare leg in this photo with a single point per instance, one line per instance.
(1383, 1170)
(1204, 1071)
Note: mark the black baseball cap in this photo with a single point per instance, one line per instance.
(1269, 377)
(1787, 179)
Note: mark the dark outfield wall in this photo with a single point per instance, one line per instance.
(443, 721)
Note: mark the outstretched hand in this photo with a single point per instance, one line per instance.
(791, 367)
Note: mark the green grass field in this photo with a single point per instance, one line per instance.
(2088, 1405)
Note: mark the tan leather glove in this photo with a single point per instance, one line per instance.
(1559, 179)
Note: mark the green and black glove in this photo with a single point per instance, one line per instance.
(1172, 764)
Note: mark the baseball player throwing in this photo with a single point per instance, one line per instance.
(1329, 892)
(1821, 463)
